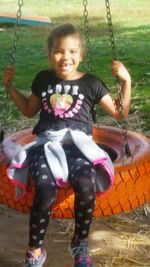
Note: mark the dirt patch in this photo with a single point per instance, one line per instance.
(116, 241)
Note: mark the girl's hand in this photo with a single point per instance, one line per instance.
(119, 70)
(9, 74)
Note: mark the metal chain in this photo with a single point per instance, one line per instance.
(114, 54)
(12, 62)
(16, 33)
(127, 151)
(88, 47)
(86, 33)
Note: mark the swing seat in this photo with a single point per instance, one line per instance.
(132, 180)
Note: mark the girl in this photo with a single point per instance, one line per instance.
(65, 98)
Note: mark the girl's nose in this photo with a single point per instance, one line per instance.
(66, 55)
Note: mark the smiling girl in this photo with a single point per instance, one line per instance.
(64, 151)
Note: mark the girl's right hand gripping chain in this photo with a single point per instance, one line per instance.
(8, 76)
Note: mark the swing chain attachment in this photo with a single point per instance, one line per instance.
(86, 33)
(127, 150)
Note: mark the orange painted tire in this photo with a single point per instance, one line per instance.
(132, 181)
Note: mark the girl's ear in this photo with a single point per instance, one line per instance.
(81, 59)
(81, 55)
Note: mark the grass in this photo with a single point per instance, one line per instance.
(131, 29)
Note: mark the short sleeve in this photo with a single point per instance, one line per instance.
(35, 87)
(100, 90)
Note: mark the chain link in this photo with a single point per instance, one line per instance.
(12, 62)
(114, 54)
(127, 151)
(16, 33)
(87, 38)
(88, 47)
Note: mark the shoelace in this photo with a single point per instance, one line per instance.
(79, 249)
(31, 260)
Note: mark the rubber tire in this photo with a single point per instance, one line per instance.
(132, 176)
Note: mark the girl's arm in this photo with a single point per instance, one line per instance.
(110, 105)
(29, 106)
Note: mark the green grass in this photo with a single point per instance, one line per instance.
(131, 23)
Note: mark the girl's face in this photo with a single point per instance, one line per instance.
(65, 56)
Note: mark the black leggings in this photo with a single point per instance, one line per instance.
(82, 176)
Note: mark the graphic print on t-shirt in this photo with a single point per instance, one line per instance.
(62, 100)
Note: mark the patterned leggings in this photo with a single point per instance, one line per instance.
(82, 176)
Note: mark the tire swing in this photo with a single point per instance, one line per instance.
(130, 153)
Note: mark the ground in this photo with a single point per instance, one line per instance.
(121, 240)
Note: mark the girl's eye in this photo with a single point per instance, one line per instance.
(73, 51)
(57, 51)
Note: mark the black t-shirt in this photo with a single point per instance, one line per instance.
(66, 103)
